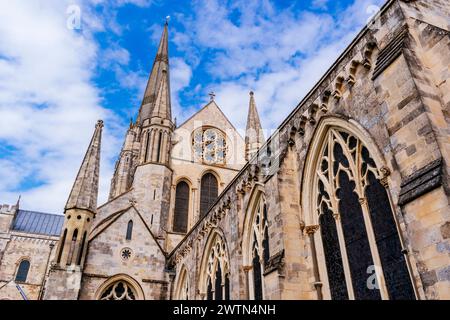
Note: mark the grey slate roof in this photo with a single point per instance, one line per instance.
(38, 223)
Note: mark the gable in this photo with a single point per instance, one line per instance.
(209, 116)
(106, 246)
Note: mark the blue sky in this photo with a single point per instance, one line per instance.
(55, 81)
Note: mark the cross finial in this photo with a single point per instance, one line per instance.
(212, 95)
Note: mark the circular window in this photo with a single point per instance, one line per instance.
(209, 146)
(126, 253)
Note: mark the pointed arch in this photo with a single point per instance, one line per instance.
(209, 191)
(182, 203)
(346, 204)
(255, 242)
(120, 287)
(182, 288)
(215, 267)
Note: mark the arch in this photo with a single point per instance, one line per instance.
(344, 197)
(181, 210)
(255, 242)
(209, 191)
(182, 288)
(130, 282)
(215, 257)
(22, 270)
(317, 141)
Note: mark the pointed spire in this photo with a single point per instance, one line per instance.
(160, 64)
(254, 136)
(85, 189)
(162, 108)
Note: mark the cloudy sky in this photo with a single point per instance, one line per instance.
(65, 64)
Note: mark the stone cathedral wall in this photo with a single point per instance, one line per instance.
(392, 85)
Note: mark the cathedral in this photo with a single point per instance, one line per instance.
(348, 199)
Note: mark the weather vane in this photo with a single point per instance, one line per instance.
(167, 19)
(212, 95)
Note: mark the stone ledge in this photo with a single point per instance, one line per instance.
(391, 52)
(276, 262)
(421, 182)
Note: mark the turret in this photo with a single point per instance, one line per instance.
(254, 136)
(81, 206)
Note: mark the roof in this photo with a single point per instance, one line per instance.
(38, 223)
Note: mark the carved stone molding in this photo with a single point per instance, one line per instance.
(311, 229)
(276, 262)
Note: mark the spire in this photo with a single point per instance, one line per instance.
(160, 64)
(85, 189)
(162, 108)
(254, 136)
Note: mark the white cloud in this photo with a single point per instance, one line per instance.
(320, 4)
(48, 105)
(276, 53)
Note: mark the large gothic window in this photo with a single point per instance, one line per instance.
(183, 286)
(180, 217)
(361, 246)
(216, 271)
(208, 193)
(260, 249)
(120, 290)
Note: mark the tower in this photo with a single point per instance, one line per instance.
(254, 136)
(152, 177)
(65, 274)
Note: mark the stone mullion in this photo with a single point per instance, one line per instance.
(335, 208)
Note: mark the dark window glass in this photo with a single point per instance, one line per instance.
(355, 235)
(22, 271)
(227, 287)
(158, 151)
(218, 284)
(180, 219)
(209, 293)
(209, 193)
(257, 276)
(129, 230)
(333, 257)
(396, 275)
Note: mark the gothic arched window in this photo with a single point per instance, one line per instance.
(215, 270)
(260, 253)
(120, 290)
(22, 271)
(360, 243)
(208, 193)
(129, 230)
(181, 212)
(182, 290)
